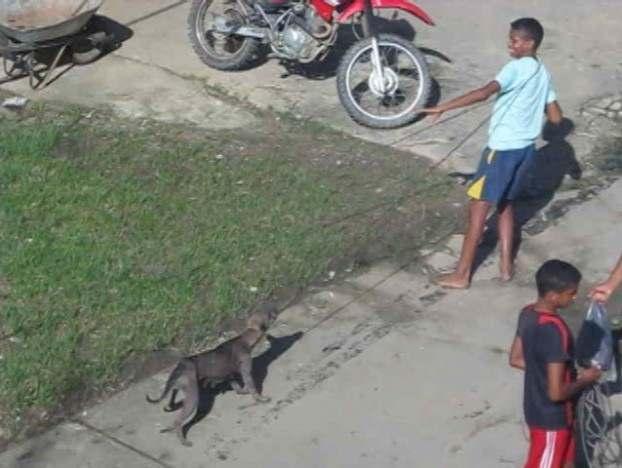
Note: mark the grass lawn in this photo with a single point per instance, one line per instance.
(119, 238)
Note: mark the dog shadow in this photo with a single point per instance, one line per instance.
(278, 346)
(542, 178)
(261, 363)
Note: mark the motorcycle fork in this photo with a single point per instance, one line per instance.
(368, 31)
(368, 19)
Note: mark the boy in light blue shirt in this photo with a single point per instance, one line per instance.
(524, 93)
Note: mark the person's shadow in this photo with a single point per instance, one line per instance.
(540, 177)
(207, 396)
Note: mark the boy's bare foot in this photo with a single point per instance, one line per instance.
(505, 277)
(502, 280)
(506, 274)
(452, 281)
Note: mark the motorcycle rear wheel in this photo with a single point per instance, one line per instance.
(217, 50)
(407, 82)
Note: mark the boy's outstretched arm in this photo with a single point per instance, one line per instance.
(602, 291)
(558, 390)
(517, 359)
(477, 95)
(554, 113)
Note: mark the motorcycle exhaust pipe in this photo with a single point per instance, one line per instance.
(224, 25)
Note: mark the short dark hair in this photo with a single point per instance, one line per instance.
(531, 27)
(556, 276)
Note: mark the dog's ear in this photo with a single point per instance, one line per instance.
(272, 312)
(262, 316)
(252, 322)
(257, 321)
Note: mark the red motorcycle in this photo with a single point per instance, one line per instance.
(382, 79)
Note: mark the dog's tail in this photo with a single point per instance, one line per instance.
(172, 378)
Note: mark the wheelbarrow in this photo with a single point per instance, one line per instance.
(30, 27)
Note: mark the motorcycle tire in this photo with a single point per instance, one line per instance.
(347, 95)
(242, 58)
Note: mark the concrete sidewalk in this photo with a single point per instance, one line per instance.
(402, 375)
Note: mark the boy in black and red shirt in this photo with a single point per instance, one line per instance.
(543, 347)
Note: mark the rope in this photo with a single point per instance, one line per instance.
(447, 119)
(471, 108)
(462, 142)
(374, 286)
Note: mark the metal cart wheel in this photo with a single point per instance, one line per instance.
(94, 42)
(86, 50)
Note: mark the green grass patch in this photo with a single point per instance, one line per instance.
(117, 240)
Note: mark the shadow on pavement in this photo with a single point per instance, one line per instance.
(100, 37)
(542, 177)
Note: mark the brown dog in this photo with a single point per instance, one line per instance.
(227, 362)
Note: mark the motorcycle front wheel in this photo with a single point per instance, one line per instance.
(217, 50)
(392, 100)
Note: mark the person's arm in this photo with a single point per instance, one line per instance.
(477, 95)
(551, 349)
(554, 113)
(602, 291)
(558, 390)
(517, 359)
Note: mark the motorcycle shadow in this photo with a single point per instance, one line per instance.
(346, 37)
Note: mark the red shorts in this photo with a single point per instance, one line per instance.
(550, 449)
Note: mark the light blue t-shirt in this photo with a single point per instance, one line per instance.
(519, 108)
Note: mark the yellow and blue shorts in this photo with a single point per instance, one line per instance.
(501, 174)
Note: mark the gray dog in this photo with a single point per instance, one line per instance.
(227, 362)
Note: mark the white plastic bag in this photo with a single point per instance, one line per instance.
(595, 341)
